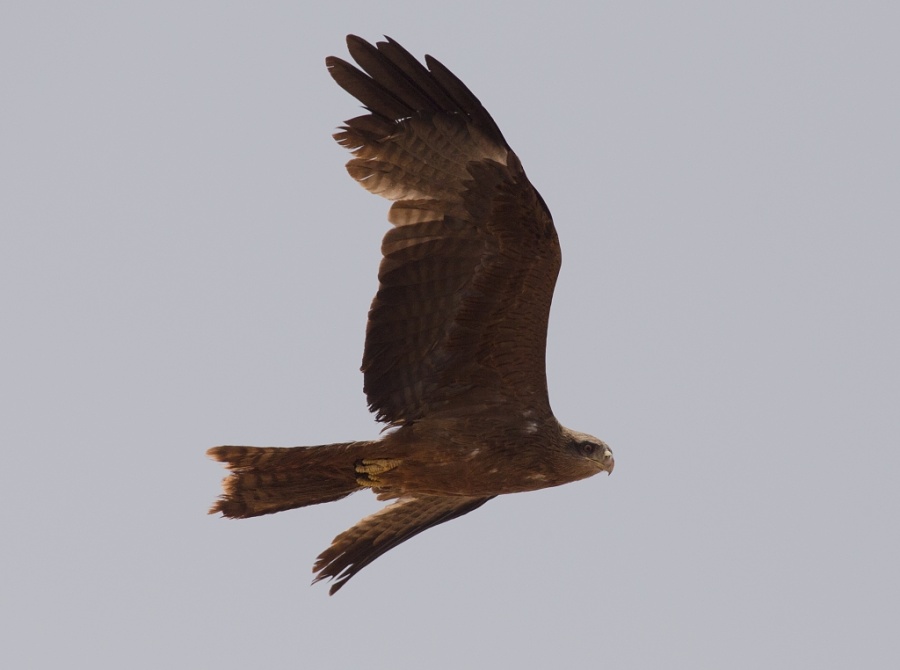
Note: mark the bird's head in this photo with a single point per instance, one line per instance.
(593, 449)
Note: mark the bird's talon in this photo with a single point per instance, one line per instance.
(376, 466)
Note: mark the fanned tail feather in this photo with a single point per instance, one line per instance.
(265, 480)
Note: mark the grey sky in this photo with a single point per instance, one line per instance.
(185, 263)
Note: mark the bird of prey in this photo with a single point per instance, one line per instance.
(456, 335)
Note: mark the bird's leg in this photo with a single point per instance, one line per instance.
(369, 469)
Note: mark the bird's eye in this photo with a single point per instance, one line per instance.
(588, 448)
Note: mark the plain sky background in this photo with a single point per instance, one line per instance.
(185, 263)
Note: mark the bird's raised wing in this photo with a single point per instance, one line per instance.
(380, 532)
(459, 322)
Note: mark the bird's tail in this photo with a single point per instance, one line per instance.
(264, 480)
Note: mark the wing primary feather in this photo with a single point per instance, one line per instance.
(418, 73)
(387, 74)
(394, 77)
(465, 99)
(370, 93)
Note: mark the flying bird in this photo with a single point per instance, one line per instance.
(456, 335)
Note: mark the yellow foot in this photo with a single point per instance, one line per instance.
(370, 468)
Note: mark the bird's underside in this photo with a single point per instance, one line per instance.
(454, 354)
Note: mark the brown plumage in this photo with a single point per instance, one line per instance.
(455, 342)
